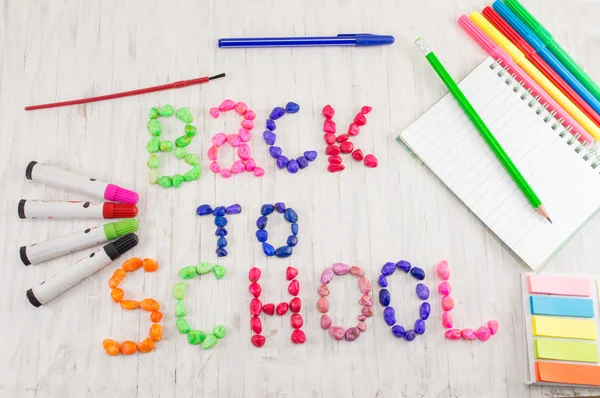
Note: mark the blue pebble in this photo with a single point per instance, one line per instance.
(221, 231)
(262, 235)
(220, 221)
(292, 107)
(261, 222)
(233, 209)
(282, 161)
(284, 251)
(265, 210)
(219, 211)
(275, 151)
(384, 297)
(203, 210)
(271, 125)
(221, 242)
(410, 335)
(403, 265)
(290, 215)
(302, 162)
(268, 249)
(292, 240)
(221, 252)
(310, 155)
(389, 316)
(269, 137)
(280, 207)
(293, 166)
(398, 331)
(422, 291)
(419, 326)
(277, 112)
(417, 273)
(388, 269)
(382, 281)
(294, 229)
(424, 310)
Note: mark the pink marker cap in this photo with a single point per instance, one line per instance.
(117, 194)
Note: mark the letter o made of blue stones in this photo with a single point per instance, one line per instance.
(262, 235)
(389, 313)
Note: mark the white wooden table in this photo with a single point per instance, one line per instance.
(71, 49)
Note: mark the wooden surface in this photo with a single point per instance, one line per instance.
(63, 50)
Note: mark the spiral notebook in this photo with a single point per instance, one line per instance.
(560, 169)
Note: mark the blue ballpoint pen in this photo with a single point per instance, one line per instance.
(538, 45)
(355, 39)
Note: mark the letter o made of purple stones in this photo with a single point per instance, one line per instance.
(389, 313)
(262, 235)
(292, 165)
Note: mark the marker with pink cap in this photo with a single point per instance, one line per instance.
(65, 179)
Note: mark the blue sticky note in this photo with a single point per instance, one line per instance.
(562, 306)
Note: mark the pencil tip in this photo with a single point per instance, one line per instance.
(216, 76)
(549, 220)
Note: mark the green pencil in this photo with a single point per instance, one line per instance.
(482, 128)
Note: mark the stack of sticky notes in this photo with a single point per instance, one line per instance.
(562, 329)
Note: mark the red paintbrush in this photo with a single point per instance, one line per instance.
(178, 84)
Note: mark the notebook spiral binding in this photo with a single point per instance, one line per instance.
(583, 148)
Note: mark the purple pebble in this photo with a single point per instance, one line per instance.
(403, 265)
(282, 161)
(388, 269)
(280, 207)
(410, 335)
(422, 291)
(302, 162)
(233, 209)
(382, 281)
(389, 315)
(418, 273)
(424, 310)
(269, 137)
(292, 107)
(271, 125)
(419, 326)
(310, 155)
(293, 166)
(276, 113)
(275, 151)
(398, 331)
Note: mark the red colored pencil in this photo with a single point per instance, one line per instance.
(178, 84)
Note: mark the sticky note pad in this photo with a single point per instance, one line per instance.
(561, 306)
(566, 286)
(565, 350)
(567, 373)
(564, 327)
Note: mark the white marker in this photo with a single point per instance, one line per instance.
(75, 209)
(65, 179)
(85, 267)
(52, 248)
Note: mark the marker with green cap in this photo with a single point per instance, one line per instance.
(52, 248)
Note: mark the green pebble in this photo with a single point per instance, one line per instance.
(191, 159)
(166, 111)
(153, 177)
(204, 268)
(153, 145)
(153, 114)
(153, 161)
(196, 337)
(179, 290)
(182, 326)
(180, 309)
(187, 272)
(154, 127)
(180, 153)
(218, 271)
(183, 141)
(193, 174)
(166, 146)
(219, 331)
(165, 182)
(190, 130)
(177, 180)
(184, 115)
(209, 342)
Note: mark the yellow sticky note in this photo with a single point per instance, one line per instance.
(565, 350)
(564, 327)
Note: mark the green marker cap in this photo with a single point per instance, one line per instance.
(529, 20)
(115, 229)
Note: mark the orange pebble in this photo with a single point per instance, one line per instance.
(149, 305)
(130, 304)
(117, 278)
(155, 332)
(128, 347)
(117, 294)
(156, 316)
(132, 264)
(111, 347)
(150, 265)
(146, 345)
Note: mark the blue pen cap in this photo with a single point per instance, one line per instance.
(366, 39)
(515, 22)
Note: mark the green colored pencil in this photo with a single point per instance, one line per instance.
(482, 128)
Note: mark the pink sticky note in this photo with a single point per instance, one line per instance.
(566, 286)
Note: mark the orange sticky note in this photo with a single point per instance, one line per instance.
(567, 373)
(560, 285)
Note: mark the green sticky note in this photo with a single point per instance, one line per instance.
(565, 350)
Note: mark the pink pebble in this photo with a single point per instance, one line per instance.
(225, 173)
(329, 126)
(247, 124)
(357, 271)
(361, 318)
(361, 326)
(326, 276)
(443, 270)
(371, 161)
(243, 152)
(364, 285)
(484, 333)
(453, 334)
(367, 311)
(244, 134)
(212, 152)
(323, 305)
(234, 140)
(326, 321)
(447, 303)
(214, 167)
(238, 167)
(444, 288)
(469, 334)
(226, 105)
(365, 300)
(365, 109)
(250, 115)
(241, 108)
(250, 164)
(353, 129)
(340, 268)
(219, 139)
(323, 290)
(447, 320)
(337, 332)
(259, 172)
(214, 112)
(493, 325)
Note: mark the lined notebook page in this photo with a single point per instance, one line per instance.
(449, 145)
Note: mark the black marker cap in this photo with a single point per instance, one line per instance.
(21, 209)
(121, 245)
(23, 253)
(29, 169)
(32, 299)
